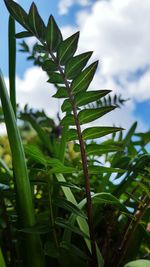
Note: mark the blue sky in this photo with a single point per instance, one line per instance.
(117, 31)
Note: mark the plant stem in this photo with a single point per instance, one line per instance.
(84, 164)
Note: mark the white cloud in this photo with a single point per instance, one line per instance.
(35, 91)
(140, 89)
(118, 32)
(65, 5)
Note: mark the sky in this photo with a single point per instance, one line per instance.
(118, 33)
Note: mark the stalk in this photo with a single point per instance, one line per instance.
(84, 165)
(12, 62)
(33, 251)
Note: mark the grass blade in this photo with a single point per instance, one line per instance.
(24, 196)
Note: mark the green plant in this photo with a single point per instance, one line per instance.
(65, 173)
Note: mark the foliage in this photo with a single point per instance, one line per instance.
(73, 196)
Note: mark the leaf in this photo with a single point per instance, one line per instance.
(68, 120)
(97, 132)
(82, 82)
(55, 78)
(61, 92)
(130, 133)
(44, 137)
(81, 221)
(69, 206)
(49, 66)
(23, 34)
(88, 115)
(37, 229)
(75, 251)
(35, 153)
(67, 48)
(72, 135)
(39, 48)
(17, 12)
(62, 169)
(36, 23)
(83, 98)
(107, 198)
(67, 225)
(58, 167)
(51, 250)
(102, 169)
(70, 185)
(99, 149)
(138, 263)
(75, 65)
(53, 35)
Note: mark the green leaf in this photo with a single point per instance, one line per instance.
(72, 135)
(81, 221)
(97, 132)
(83, 98)
(67, 225)
(53, 35)
(51, 250)
(36, 23)
(70, 185)
(62, 169)
(67, 48)
(35, 153)
(55, 78)
(102, 169)
(73, 250)
(44, 137)
(23, 34)
(58, 167)
(84, 79)
(107, 198)
(88, 115)
(99, 149)
(130, 133)
(69, 206)
(68, 120)
(49, 66)
(75, 65)
(39, 48)
(61, 92)
(17, 12)
(138, 263)
(37, 229)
